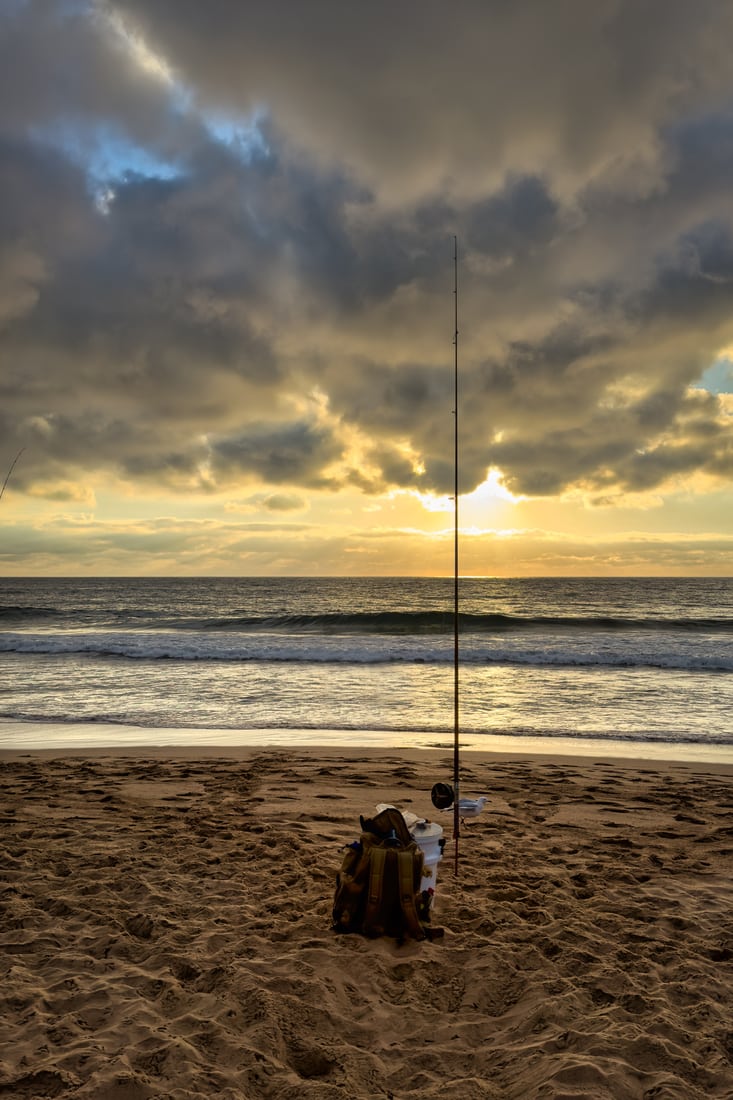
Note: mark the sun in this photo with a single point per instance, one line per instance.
(485, 498)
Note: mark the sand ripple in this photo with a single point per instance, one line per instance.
(165, 933)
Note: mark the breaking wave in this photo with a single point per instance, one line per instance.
(686, 651)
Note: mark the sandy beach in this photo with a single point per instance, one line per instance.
(166, 929)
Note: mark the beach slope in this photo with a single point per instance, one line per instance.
(166, 930)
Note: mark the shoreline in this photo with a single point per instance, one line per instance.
(99, 738)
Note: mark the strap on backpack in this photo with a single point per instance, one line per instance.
(374, 891)
(406, 877)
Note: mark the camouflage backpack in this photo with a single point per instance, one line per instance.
(379, 886)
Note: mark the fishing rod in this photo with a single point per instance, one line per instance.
(12, 467)
(456, 717)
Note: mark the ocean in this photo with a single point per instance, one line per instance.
(587, 660)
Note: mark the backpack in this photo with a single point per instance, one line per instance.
(379, 886)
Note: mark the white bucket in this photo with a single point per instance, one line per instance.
(428, 836)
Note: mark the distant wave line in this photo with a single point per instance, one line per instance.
(372, 623)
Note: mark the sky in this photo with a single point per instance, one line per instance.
(227, 287)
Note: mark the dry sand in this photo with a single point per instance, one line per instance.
(166, 930)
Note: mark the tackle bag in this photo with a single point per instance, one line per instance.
(379, 886)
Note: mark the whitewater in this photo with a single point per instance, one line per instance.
(647, 660)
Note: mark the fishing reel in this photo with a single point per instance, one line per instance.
(442, 796)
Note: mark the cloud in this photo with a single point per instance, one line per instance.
(412, 101)
(283, 502)
(280, 454)
(164, 544)
(219, 219)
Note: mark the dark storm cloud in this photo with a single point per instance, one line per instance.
(409, 89)
(282, 454)
(170, 301)
(522, 216)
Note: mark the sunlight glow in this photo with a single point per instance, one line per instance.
(411, 455)
(147, 60)
(103, 199)
(488, 494)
